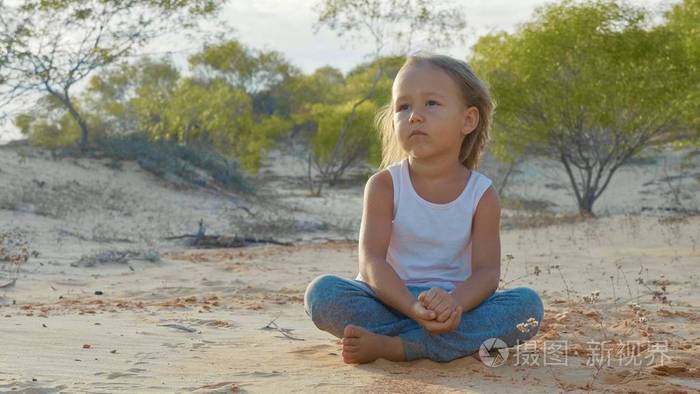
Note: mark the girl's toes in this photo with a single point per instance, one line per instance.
(351, 331)
(350, 359)
(351, 341)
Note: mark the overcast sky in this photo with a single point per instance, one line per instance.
(286, 26)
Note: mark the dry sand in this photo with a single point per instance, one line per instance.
(195, 320)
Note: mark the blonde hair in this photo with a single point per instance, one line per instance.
(474, 92)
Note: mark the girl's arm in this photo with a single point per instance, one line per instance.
(375, 233)
(486, 254)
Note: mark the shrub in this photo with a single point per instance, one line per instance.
(195, 165)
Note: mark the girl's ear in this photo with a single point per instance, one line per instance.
(471, 120)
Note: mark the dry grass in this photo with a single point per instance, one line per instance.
(15, 251)
(287, 225)
(539, 219)
(62, 200)
(112, 256)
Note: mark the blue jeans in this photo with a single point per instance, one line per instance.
(333, 302)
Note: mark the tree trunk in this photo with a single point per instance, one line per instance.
(585, 206)
(585, 196)
(84, 131)
(310, 179)
(511, 168)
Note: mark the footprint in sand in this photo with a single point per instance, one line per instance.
(131, 372)
(116, 375)
(174, 345)
(221, 387)
(259, 374)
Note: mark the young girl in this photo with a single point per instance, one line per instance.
(429, 249)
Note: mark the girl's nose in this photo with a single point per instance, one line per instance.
(415, 117)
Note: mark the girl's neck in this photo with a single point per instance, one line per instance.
(436, 168)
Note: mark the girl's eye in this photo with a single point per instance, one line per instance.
(432, 102)
(403, 107)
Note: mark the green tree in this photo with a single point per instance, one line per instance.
(588, 84)
(253, 91)
(363, 79)
(328, 90)
(245, 68)
(324, 85)
(50, 46)
(123, 99)
(360, 137)
(683, 25)
(264, 75)
(220, 117)
(131, 97)
(49, 125)
(212, 109)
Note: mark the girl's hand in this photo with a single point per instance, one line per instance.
(435, 327)
(418, 311)
(440, 301)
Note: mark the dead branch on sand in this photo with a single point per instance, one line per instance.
(284, 331)
(226, 241)
(201, 240)
(179, 327)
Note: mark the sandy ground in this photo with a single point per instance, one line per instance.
(223, 320)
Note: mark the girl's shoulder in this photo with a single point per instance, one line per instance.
(481, 182)
(379, 197)
(380, 182)
(480, 176)
(383, 179)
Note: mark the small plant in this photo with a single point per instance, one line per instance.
(660, 294)
(592, 298)
(502, 281)
(612, 284)
(526, 326)
(508, 258)
(639, 314)
(566, 285)
(15, 251)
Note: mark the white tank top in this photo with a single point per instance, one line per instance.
(431, 243)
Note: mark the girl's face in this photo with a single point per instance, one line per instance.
(430, 116)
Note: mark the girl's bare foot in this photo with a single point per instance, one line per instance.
(361, 346)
